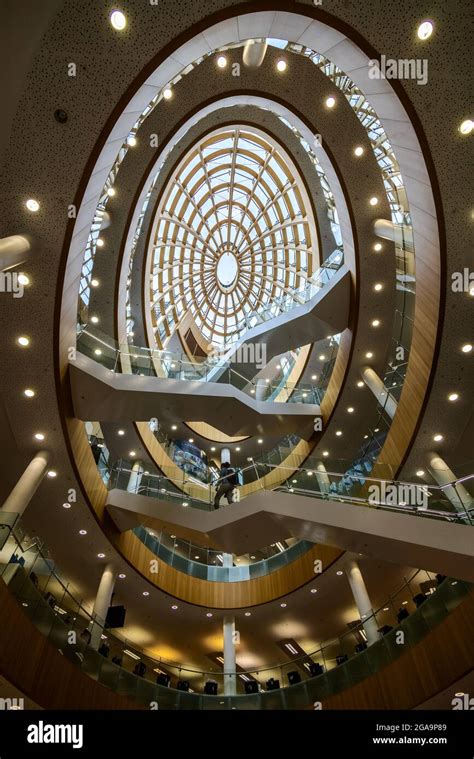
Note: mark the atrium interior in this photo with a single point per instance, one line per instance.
(236, 377)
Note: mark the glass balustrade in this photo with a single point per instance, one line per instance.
(57, 610)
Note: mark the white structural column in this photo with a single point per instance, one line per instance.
(27, 485)
(457, 495)
(102, 603)
(225, 456)
(399, 234)
(135, 477)
(322, 477)
(230, 676)
(362, 600)
(260, 389)
(375, 384)
(13, 251)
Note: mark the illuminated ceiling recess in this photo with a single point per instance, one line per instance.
(234, 230)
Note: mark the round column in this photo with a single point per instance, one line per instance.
(135, 477)
(375, 384)
(443, 475)
(27, 485)
(322, 477)
(102, 603)
(230, 677)
(362, 600)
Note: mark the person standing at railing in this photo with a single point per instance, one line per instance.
(226, 484)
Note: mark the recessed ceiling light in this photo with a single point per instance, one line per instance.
(174, 607)
(122, 576)
(360, 383)
(404, 603)
(282, 65)
(100, 243)
(378, 286)
(95, 282)
(98, 352)
(294, 481)
(365, 437)
(453, 397)
(350, 410)
(111, 192)
(376, 429)
(260, 441)
(467, 348)
(322, 357)
(238, 448)
(66, 505)
(437, 438)
(29, 393)
(52, 473)
(420, 473)
(39, 436)
(94, 319)
(167, 93)
(23, 341)
(185, 503)
(174, 427)
(121, 432)
(378, 246)
(196, 557)
(373, 201)
(118, 20)
(191, 440)
(425, 30)
(330, 102)
(222, 61)
(369, 354)
(310, 474)
(82, 532)
(385, 608)
(132, 454)
(23, 279)
(32, 205)
(278, 367)
(132, 141)
(325, 454)
(213, 448)
(248, 613)
(283, 606)
(338, 433)
(339, 572)
(209, 614)
(145, 593)
(466, 126)
(252, 391)
(314, 377)
(101, 555)
(358, 151)
(313, 590)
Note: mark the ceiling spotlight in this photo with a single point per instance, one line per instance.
(453, 397)
(118, 20)
(425, 30)
(260, 441)
(52, 473)
(94, 319)
(66, 505)
(248, 613)
(282, 65)
(23, 280)
(121, 432)
(322, 357)
(375, 323)
(122, 576)
(39, 436)
(145, 593)
(101, 555)
(467, 348)
(420, 473)
(185, 503)
(222, 61)
(132, 141)
(82, 532)
(325, 454)
(95, 282)
(32, 205)
(111, 192)
(350, 410)
(238, 448)
(174, 427)
(437, 438)
(167, 93)
(377, 287)
(213, 448)
(98, 352)
(466, 126)
(373, 201)
(174, 607)
(100, 242)
(283, 606)
(378, 246)
(314, 377)
(358, 151)
(313, 590)
(191, 440)
(330, 102)
(29, 393)
(339, 572)
(132, 454)
(209, 614)
(338, 433)
(360, 384)
(23, 341)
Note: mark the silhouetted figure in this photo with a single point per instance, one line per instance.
(227, 482)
